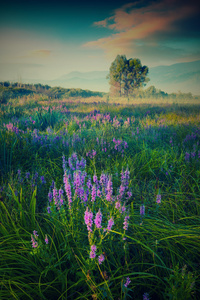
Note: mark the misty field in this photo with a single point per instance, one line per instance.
(99, 199)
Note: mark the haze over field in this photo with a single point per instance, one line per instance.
(42, 42)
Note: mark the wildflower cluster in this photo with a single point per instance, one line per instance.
(103, 206)
(128, 281)
(34, 239)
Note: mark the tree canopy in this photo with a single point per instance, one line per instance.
(127, 75)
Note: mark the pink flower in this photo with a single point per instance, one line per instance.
(98, 219)
(110, 223)
(93, 248)
(101, 258)
(92, 252)
(126, 223)
(35, 233)
(46, 239)
(158, 198)
(88, 219)
(117, 205)
(33, 239)
(68, 189)
(128, 281)
(93, 193)
(109, 190)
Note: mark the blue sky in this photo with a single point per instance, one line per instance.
(44, 40)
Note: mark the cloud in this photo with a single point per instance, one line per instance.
(39, 53)
(103, 23)
(152, 22)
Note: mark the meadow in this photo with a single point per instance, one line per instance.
(99, 199)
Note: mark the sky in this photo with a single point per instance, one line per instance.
(45, 40)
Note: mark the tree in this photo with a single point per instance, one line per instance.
(127, 75)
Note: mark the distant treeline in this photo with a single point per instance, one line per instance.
(152, 92)
(14, 90)
(10, 90)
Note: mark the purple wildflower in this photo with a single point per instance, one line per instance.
(49, 209)
(36, 176)
(27, 175)
(88, 219)
(89, 184)
(82, 163)
(60, 195)
(20, 180)
(123, 208)
(128, 281)
(94, 153)
(50, 197)
(117, 205)
(92, 254)
(68, 189)
(95, 180)
(158, 198)
(103, 180)
(99, 193)
(85, 197)
(43, 181)
(110, 223)
(77, 182)
(98, 219)
(52, 184)
(109, 190)
(93, 251)
(146, 296)
(64, 163)
(142, 210)
(93, 248)
(34, 242)
(33, 239)
(93, 193)
(82, 177)
(70, 164)
(125, 227)
(35, 233)
(121, 191)
(46, 239)
(101, 258)
(55, 196)
(126, 175)
(129, 194)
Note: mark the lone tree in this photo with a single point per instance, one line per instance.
(127, 75)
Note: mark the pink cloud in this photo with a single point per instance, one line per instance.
(40, 53)
(146, 23)
(103, 23)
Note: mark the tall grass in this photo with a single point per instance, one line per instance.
(45, 244)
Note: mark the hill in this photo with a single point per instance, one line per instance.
(182, 77)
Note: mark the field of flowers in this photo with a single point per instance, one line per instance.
(99, 201)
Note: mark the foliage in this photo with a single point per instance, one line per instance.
(16, 90)
(127, 75)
